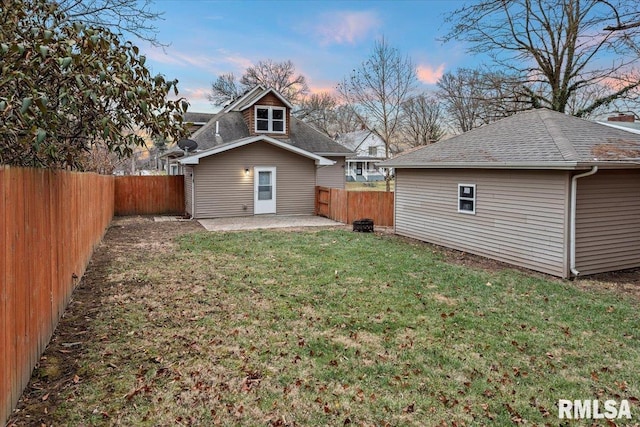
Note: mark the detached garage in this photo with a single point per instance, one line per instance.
(540, 189)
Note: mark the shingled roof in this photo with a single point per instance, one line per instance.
(232, 126)
(229, 125)
(536, 139)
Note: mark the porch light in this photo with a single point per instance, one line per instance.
(246, 171)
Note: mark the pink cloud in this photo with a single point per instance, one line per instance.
(318, 89)
(197, 93)
(427, 74)
(346, 27)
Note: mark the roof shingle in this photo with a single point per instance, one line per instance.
(535, 138)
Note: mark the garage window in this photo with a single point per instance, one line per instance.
(467, 198)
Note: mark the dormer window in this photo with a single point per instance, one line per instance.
(270, 119)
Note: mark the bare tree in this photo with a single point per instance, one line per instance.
(462, 97)
(378, 89)
(555, 46)
(280, 76)
(130, 16)
(346, 120)
(319, 110)
(422, 124)
(224, 89)
(473, 97)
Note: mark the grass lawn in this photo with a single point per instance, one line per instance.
(333, 327)
(368, 186)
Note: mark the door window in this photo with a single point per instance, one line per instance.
(265, 186)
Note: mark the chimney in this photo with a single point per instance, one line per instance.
(622, 118)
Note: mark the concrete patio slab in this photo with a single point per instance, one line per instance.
(267, 221)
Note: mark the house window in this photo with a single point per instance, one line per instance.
(373, 151)
(270, 119)
(467, 198)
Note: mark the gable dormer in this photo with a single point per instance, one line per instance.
(266, 112)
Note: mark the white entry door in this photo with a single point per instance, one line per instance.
(264, 181)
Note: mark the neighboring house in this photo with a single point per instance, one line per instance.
(540, 189)
(254, 157)
(624, 122)
(368, 147)
(169, 159)
(195, 120)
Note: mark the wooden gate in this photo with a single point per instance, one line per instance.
(348, 206)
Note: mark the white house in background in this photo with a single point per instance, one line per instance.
(369, 149)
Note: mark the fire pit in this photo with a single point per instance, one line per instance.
(363, 225)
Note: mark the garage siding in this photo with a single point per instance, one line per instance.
(608, 222)
(520, 218)
(223, 189)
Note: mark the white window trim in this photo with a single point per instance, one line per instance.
(270, 119)
(472, 199)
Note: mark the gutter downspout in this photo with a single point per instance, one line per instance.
(572, 238)
(193, 193)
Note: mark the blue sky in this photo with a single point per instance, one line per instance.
(325, 40)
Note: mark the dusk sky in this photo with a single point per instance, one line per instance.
(325, 40)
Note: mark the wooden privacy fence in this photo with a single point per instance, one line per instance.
(146, 195)
(50, 222)
(348, 206)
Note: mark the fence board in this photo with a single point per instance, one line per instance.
(339, 205)
(348, 206)
(146, 195)
(5, 374)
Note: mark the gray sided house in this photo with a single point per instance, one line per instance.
(540, 189)
(254, 157)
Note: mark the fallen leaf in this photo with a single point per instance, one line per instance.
(488, 393)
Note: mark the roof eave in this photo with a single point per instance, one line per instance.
(332, 154)
(482, 165)
(325, 162)
(195, 158)
(572, 165)
(270, 90)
